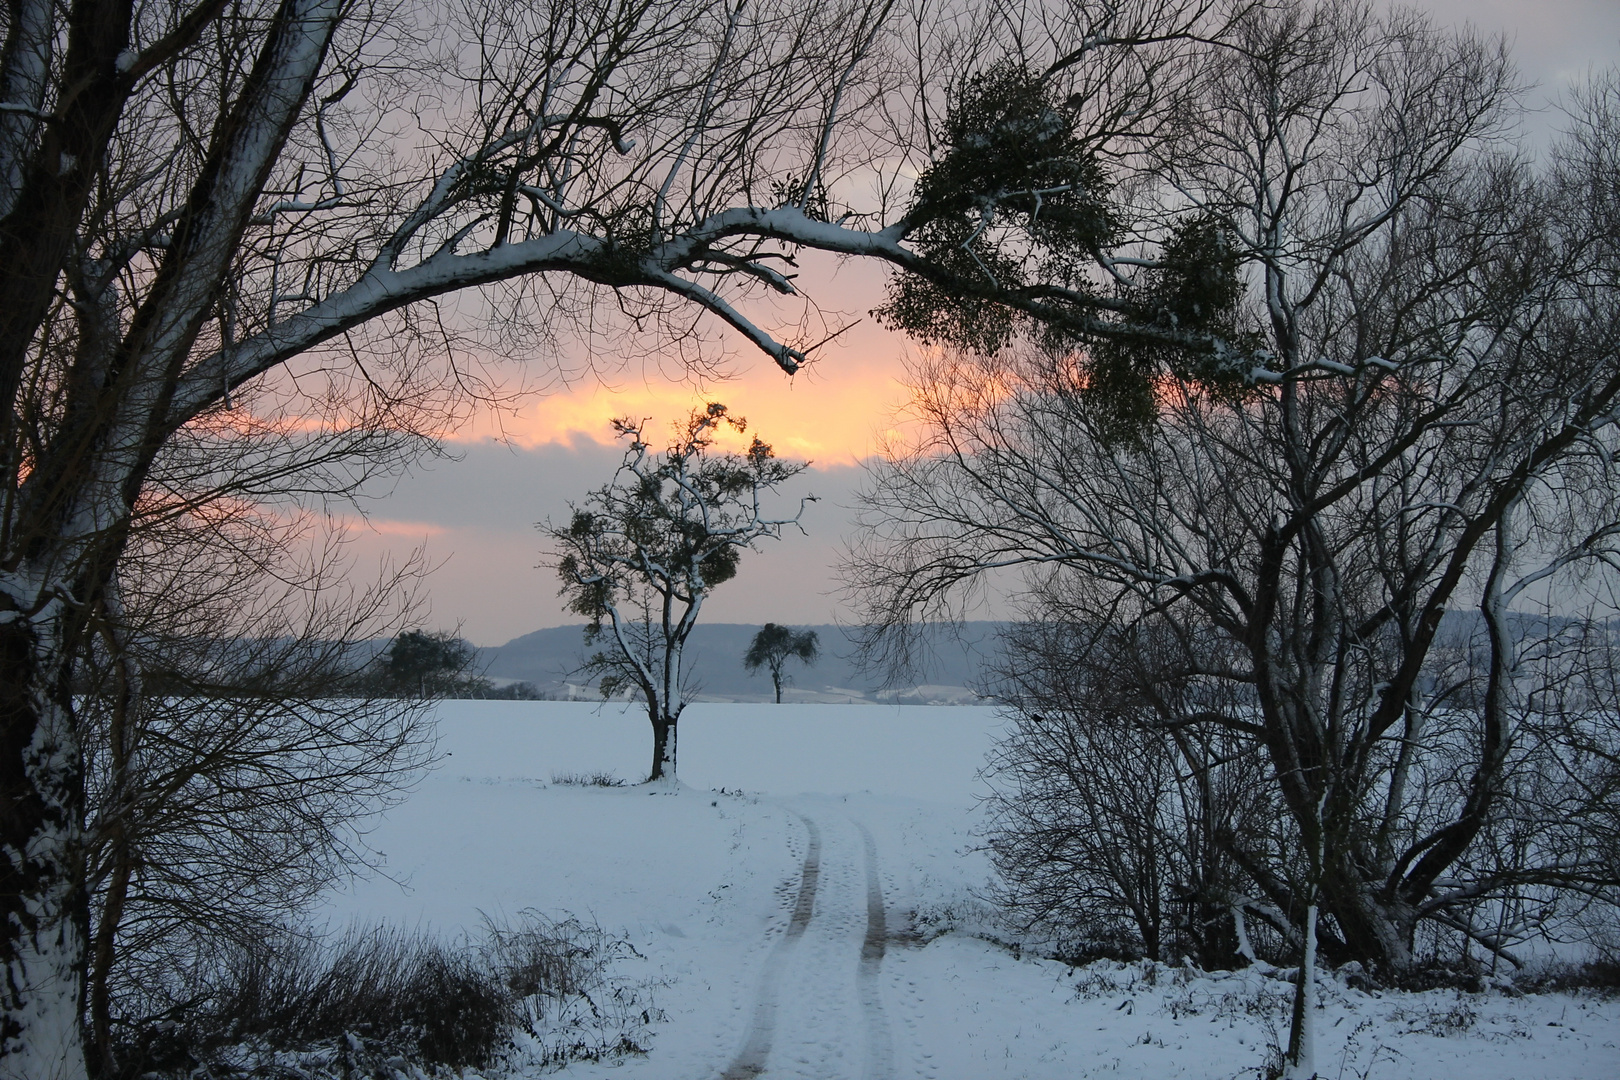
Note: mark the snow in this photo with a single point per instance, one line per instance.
(45, 1042)
(787, 899)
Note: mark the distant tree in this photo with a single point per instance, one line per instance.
(423, 663)
(641, 556)
(774, 645)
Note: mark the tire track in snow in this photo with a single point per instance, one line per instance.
(750, 1061)
(879, 1042)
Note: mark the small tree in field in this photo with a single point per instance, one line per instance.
(641, 556)
(423, 663)
(774, 646)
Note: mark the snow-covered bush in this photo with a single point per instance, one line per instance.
(376, 1001)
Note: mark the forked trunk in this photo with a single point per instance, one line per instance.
(1374, 933)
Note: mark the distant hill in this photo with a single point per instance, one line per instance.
(950, 671)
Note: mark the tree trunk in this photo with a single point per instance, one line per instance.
(663, 762)
(102, 956)
(1376, 932)
(42, 895)
(1300, 1061)
(120, 854)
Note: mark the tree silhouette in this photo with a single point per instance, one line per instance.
(423, 663)
(774, 645)
(643, 553)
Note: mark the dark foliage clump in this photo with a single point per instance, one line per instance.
(1011, 219)
(1186, 304)
(1016, 197)
(428, 664)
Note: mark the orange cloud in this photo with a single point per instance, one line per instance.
(834, 413)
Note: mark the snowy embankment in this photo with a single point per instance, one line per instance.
(775, 895)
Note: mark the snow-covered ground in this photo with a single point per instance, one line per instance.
(775, 893)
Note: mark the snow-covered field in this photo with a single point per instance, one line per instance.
(774, 897)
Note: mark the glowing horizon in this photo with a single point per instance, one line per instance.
(834, 421)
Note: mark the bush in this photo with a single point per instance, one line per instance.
(573, 1010)
(377, 1000)
(594, 779)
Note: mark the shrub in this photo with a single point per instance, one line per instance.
(379, 1000)
(594, 779)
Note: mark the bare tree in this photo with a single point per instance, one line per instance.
(774, 645)
(1105, 823)
(1431, 427)
(644, 552)
(232, 791)
(231, 749)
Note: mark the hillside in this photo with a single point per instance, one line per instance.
(950, 672)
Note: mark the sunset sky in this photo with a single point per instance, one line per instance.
(475, 515)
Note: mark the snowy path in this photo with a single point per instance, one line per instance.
(820, 981)
(757, 1048)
